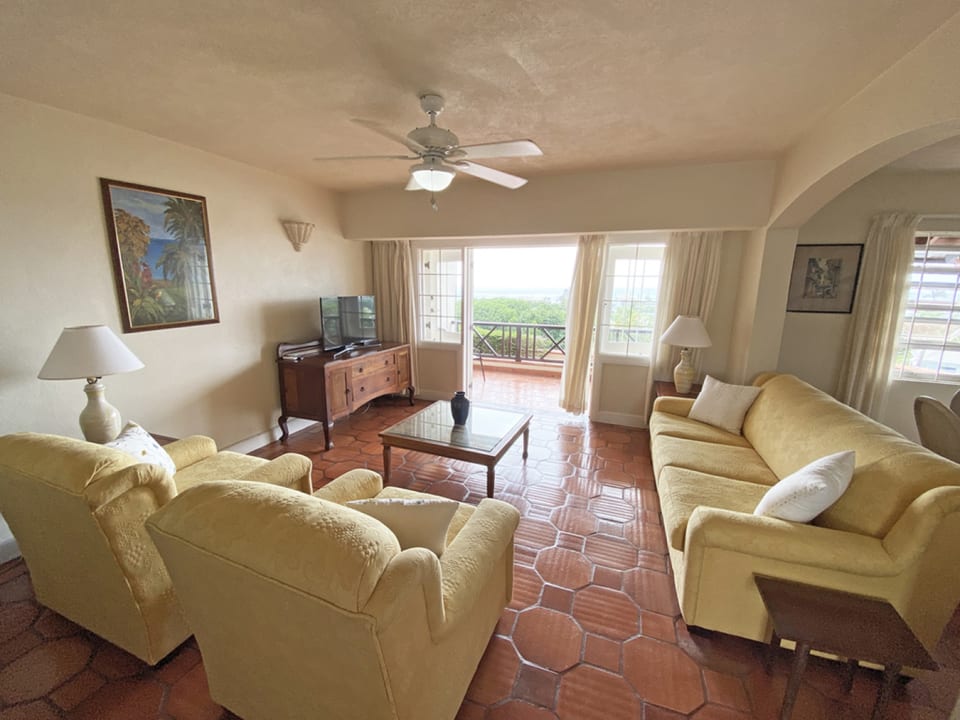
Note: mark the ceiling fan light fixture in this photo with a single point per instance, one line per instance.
(432, 176)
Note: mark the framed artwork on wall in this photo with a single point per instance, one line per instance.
(824, 278)
(160, 242)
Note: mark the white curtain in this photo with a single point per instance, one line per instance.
(688, 286)
(394, 285)
(581, 318)
(877, 311)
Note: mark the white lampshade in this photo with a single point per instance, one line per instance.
(686, 331)
(432, 176)
(89, 351)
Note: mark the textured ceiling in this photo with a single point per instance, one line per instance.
(597, 84)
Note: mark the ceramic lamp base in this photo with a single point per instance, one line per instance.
(684, 373)
(99, 421)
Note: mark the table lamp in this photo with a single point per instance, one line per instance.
(687, 331)
(91, 351)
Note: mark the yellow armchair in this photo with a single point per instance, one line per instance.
(77, 511)
(304, 607)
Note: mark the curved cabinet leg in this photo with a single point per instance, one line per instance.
(284, 433)
(327, 442)
(410, 394)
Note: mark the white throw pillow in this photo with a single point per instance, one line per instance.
(141, 446)
(723, 405)
(809, 491)
(417, 522)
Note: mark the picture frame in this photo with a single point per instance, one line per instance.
(162, 261)
(824, 278)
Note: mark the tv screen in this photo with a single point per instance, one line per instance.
(348, 321)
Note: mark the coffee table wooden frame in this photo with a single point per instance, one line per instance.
(481, 457)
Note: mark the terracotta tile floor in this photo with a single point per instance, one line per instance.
(593, 630)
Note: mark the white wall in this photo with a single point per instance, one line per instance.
(55, 270)
(813, 343)
(219, 380)
(719, 196)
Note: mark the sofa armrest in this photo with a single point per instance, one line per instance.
(190, 450)
(787, 542)
(357, 484)
(914, 531)
(673, 405)
(474, 554)
(106, 489)
(290, 470)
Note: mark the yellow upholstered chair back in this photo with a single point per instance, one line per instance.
(76, 510)
(938, 426)
(303, 607)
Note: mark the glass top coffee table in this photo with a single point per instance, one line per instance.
(486, 437)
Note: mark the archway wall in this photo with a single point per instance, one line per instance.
(915, 103)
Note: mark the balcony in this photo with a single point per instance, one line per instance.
(518, 364)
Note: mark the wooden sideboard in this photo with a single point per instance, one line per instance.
(318, 385)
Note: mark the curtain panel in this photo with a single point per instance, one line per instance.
(877, 311)
(688, 286)
(581, 318)
(394, 285)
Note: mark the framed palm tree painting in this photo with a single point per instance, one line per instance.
(160, 242)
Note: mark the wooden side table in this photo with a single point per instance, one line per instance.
(665, 388)
(839, 623)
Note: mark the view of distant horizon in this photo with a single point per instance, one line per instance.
(534, 273)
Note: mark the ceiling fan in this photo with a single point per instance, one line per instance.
(441, 155)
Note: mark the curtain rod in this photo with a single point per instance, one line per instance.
(939, 216)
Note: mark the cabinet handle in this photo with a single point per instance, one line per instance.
(362, 388)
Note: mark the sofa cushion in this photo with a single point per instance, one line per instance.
(803, 495)
(723, 405)
(417, 522)
(682, 491)
(227, 466)
(666, 423)
(791, 424)
(739, 463)
(881, 491)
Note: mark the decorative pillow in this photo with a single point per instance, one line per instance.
(722, 405)
(140, 445)
(809, 491)
(417, 522)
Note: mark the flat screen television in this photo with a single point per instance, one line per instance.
(348, 322)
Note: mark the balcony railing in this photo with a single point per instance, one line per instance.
(521, 342)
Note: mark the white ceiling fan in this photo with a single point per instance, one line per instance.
(441, 155)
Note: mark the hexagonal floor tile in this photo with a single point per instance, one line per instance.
(606, 612)
(663, 674)
(588, 693)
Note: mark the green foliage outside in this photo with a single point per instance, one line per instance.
(527, 342)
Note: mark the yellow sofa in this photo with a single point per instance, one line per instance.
(77, 511)
(307, 608)
(894, 534)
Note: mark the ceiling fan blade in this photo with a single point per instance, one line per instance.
(508, 148)
(489, 174)
(396, 137)
(412, 184)
(368, 157)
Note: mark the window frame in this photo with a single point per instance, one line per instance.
(654, 250)
(921, 269)
(443, 278)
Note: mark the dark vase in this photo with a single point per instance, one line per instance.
(460, 408)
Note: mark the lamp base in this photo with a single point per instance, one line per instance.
(99, 421)
(684, 373)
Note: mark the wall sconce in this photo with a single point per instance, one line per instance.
(298, 232)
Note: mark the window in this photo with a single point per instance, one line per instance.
(440, 294)
(929, 344)
(629, 300)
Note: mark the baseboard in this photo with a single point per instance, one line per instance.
(625, 419)
(433, 395)
(8, 550)
(265, 438)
